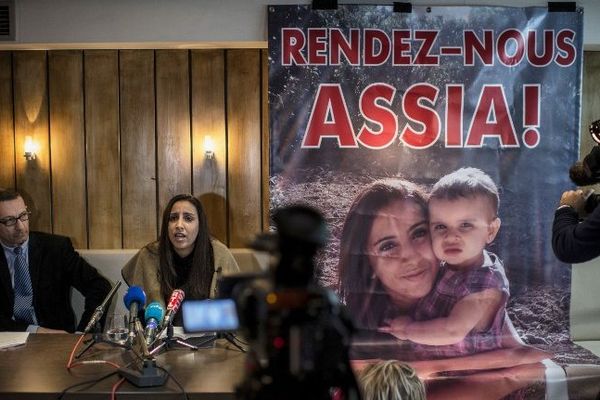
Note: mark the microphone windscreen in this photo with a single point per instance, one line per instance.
(135, 294)
(154, 310)
(175, 300)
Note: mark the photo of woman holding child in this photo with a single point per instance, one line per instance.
(388, 268)
(465, 309)
(418, 270)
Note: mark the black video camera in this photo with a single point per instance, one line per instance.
(587, 172)
(299, 335)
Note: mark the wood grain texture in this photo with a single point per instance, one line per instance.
(121, 132)
(208, 119)
(67, 150)
(265, 143)
(244, 148)
(7, 127)
(212, 373)
(102, 152)
(138, 146)
(173, 125)
(31, 119)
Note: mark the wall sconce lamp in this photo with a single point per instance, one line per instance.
(30, 148)
(209, 147)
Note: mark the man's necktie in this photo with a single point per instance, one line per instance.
(23, 308)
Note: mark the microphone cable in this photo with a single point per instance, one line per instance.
(113, 390)
(92, 382)
(115, 387)
(179, 385)
(70, 363)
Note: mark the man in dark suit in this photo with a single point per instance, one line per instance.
(37, 271)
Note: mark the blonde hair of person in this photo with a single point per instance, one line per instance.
(391, 380)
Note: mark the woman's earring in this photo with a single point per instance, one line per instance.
(373, 276)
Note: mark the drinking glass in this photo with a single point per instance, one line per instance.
(116, 328)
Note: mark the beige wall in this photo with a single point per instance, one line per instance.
(239, 23)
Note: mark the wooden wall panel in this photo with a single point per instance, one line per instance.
(208, 118)
(173, 125)
(102, 152)
(31, 119)
(67, 150)
(121, 132)
(138, 166)
(244, 145)
(7, 128)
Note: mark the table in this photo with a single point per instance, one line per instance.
(37, 370)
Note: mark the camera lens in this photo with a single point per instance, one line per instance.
(595, 131)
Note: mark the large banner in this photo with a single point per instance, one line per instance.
(437, 144)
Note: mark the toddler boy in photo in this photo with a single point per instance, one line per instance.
(464, 313)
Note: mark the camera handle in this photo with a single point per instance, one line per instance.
(170, 341)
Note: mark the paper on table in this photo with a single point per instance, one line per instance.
(11, 339)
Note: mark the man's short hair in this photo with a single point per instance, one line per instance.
(9, 194)
(466, 182)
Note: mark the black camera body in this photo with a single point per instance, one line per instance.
(298, 332)
(591, 202)
(595, 131)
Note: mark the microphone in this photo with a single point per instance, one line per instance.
(154, 315)
(134, 299)
(174, 303)
(100, 309)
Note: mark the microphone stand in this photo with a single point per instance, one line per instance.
(98, 337)
(230, 337)
(149, 374)
(94, 323)
(169, 341)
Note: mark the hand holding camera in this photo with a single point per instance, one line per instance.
(575, 199)
(584, 173)
(575, 240)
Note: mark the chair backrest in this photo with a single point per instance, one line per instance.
(108, 263)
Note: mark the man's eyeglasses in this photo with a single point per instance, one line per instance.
(10, 221)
